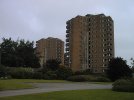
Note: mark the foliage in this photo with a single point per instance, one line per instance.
(78, 78)
(84, 72)
(3, 71)
(50, 75)
(53, 70)
(118, 69)
(52, 64)
(124, 85)
(88, 78)
(102, 79)
(18, 53)
(64, 73)
(21, 73)
(38, 75)
(132, 63)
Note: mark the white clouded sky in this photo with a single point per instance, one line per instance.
(36, 19)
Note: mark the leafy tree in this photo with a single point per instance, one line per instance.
(18, 53)
(8, 47)
(52, 64)
(132, 63)
(118, 69)
(63, 72)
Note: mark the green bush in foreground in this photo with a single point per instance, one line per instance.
(102, 79)
(78, 78)
(124, 85)
(88, 78)
(21, 73)
(3, 72)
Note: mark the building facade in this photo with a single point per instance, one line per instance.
(89, 42)
(50, 48)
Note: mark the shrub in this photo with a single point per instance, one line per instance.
(102, 79)
(50, 75)
(78, 78)
(64, 73)
(89, 78)
(3, 71)
(124, 85)
(83, 72)
(38, 75)
(22, 73)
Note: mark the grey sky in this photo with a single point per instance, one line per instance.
(36, 19)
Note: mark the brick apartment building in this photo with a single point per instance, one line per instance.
(50, 48)
(89, 42)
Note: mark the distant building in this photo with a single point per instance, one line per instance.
(89, 42)
(50, 48)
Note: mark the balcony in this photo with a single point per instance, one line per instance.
(67, 44)
(67, 49)
(67, 35)
(67, 31)
(68, 22)
(67, 27)
(67, 40)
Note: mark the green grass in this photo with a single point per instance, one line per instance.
(21, 83)
(13, 84)
(76, 95)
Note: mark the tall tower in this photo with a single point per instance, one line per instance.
(50, 48)
(89, 42)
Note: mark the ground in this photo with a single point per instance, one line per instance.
(61, 90)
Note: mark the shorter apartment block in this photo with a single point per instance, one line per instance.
(50, 48)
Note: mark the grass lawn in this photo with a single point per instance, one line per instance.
(21, 83)
(12, 84)
(76, 95)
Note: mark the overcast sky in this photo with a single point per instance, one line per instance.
(36, 19)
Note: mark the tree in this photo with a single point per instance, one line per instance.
(132, 63)
(18, 53)
(63, 72)
(8, 47)
(52, 64)
(118, 69)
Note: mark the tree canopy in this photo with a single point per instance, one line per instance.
(132, 63)
(52, 64)
(18, 53)
(118, 69)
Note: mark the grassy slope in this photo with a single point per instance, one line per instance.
(76, 95)
(21, 83)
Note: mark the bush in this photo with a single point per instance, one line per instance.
(50, 75)
(124, 85)
(78, 78)
(102, 79)
(89, 78)
(38, 75)
(82, 78)
(83, 72)
(3, 71)
(21, 73)
(64, 73)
